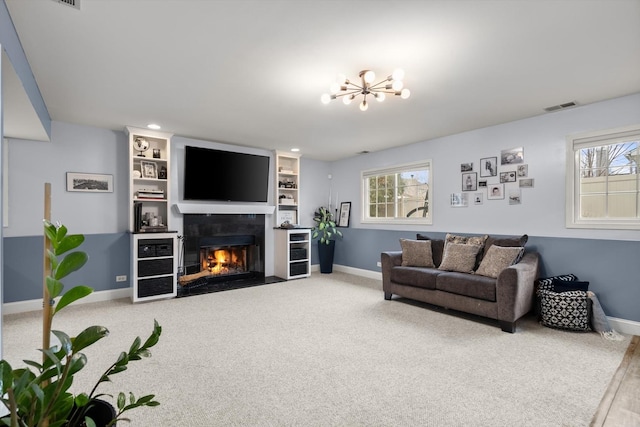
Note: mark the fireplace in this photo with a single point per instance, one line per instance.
(222, 251)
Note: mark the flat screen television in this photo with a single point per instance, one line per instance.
(218, 175)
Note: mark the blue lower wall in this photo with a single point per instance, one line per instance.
(109, 256)
(611, 266)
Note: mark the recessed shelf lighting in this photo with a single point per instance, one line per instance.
(153, 126)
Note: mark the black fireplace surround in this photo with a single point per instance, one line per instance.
(204, 232)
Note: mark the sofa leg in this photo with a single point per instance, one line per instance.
(508, 326)
(387, 295)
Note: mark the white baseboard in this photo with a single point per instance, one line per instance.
(628, 327)
(36, 304)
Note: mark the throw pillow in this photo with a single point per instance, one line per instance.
(497, 259)
(566, 310)
(437, 248)
(566, 286)
(459, 257)
(519, 241)
(416, 253)
(547, 283)
(469, 240)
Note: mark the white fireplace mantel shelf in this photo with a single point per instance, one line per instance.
(223, 208)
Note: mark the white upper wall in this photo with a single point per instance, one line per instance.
(544, 141)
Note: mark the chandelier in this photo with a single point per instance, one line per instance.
(348, 90)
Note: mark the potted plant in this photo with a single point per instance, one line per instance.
(325, 228)
(38, 394)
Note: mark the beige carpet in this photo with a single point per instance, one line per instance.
(330, 351)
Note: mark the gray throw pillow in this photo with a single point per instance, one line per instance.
(416, 253)
(497, 259)
(459, 257)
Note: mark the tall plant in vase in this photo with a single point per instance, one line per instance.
(325, 231)
(39, 394)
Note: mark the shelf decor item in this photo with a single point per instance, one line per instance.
(345, 211)
(141, 145)
(149, 170)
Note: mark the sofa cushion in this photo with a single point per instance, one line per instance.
(437, 248)
(497, 259)
(416, 253)
(459, 257)
(518, 241)
(419, 277)
(473, 286)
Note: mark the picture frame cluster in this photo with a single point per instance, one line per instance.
(493, 180)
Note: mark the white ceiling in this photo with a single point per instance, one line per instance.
(251, 72)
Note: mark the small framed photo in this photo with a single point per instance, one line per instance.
(90, 182)
(287, 217)
(459, 200)
(512, 156)
(149, 169)
(477, 199)
(482, 183)
(156, 153)
(488, 167)
(470, 181)
(526, 183)
(466, 167)
(495, 192)
(523, 171)
(509, 176)
(345, 211)
(514, 196)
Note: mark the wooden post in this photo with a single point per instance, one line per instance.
(46, 299)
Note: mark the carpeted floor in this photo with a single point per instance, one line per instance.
(330, 351)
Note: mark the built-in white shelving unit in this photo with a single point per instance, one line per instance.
(292, 254)
(154, 247)
(287, 188)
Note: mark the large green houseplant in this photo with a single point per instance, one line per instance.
(39, 394)
(325, 229)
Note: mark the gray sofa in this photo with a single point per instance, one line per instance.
(505, 298)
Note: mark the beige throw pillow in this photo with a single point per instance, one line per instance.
(459, 257)
(416, 253)
(469, 240)
(497, 259)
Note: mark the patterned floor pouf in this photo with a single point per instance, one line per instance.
(564, 310)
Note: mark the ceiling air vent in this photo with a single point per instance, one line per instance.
(72, 3)
(560, 106)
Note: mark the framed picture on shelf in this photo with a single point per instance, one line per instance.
(289, 216)
(90, 182)
(149, 169)
(488, 167)
(345, 211)
(470, 181)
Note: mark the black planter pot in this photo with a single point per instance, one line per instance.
(100, 412)
(325, 254)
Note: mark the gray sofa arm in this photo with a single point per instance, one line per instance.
(389, 260)
(515, 289)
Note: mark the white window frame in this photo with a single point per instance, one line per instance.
(588, 140)
(365, 175)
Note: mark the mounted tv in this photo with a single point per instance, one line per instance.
(218, 175)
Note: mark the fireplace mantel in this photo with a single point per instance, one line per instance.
(223, 208)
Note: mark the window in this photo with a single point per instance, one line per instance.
(603, 186)
(398, 194)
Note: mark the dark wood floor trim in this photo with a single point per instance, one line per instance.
(620, 405)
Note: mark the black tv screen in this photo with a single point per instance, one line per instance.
(225, 176)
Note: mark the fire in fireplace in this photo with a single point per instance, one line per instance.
(222, 261)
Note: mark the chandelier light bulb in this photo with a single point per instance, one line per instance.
(398, 74)
(405, 93)
(363, 105)
(380, 96)
(347, 99)
(397, 85)
(325, 98)
(369, 76)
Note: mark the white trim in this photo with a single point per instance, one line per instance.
(36, 304)
(629, 327)
(221, 208)
(376, 275)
